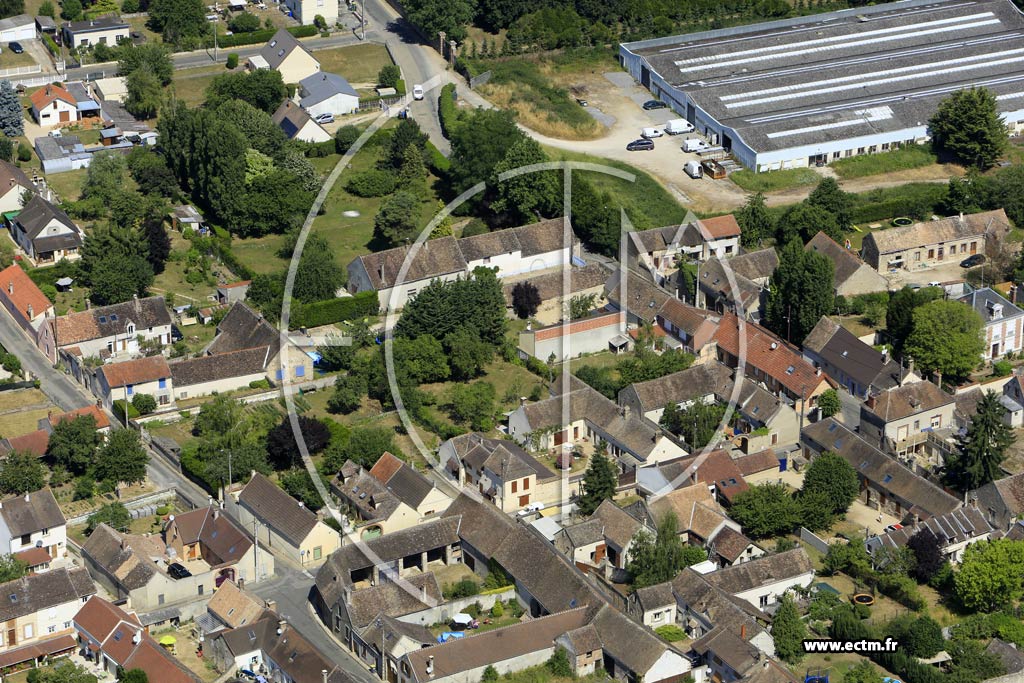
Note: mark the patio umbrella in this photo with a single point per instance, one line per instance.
(168, 640)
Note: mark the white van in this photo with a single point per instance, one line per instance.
(695, 145)
(694, 169)
(650, 133)
(417, 92)
(677, 126)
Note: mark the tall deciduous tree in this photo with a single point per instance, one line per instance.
(144, 93)
(968, 126)
(696, 423)
(927, 551)
(832, 476)
(407, 133)
(180, 22)
(983, 448)
(765, 510)
(788, 631)
(803, 221)
(946, 338)
(479, 145)
(829, 403)
(122, 458)
(153, 56)
(990, 575)
(899, 316)
(754, 220)
(12, 568)
(599, 482)
(73, 443)
(21, 472)
(318, 275)
(525, 299)
(801, 291)
(283, 449)
(397, 220)
(449, 16)
(828, 197)
(525, 198)
(12, 121)
(263, 89)
(656, 558)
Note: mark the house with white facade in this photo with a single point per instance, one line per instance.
(37, 614)
(602, 331)
(763, 580)
(660, 250)
(1002, 322)
(13, 184)
(297, 123)
(285, 53)
(327, 93)
(52, 105)
(29, 307)
(34, 522)
(45, 233)
(123, 380)
(112, 332)
(952, 532)
(109, 30)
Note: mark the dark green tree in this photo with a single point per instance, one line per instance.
(928, 556)
(122, 458)
(73, 443)
(262, 88)
(299, 485)
(12, 120)
(801, 291)
(114, 515)
(815, 510)
(348, 394)
(47, 9)
(696, 423)
(244, 22)
(21, 472)
(765, 510)
(946, 338)
(788, 631)
(829, 403)
(132, 676)
(656, 558)
(153, 56)
(828, 197)
(599, 482)
(474, 404)
(244, 458)
(144, 403)
(468, 354)
(479, 145)
(559, 664)
(899, 317)
(969, 127)
(318, 275)
(831, 475)
(389, 75)
(525, 198)
(363, 446)
(755, 222)
(982, 449)
(145, 93)
(71, 9)
(450, 16)
(407, 133)
(803, 221)
(396, 222)
(181, 22)
(850, 557)
(490, 675)
(525, 299)
(12, 568)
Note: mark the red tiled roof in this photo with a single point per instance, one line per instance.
(34, 557)
(138, 371)
(47, 94)
(594, 323)
(721, 226)
(241, 283)
(33, 442)
(102, 421)
(770, 355)
(17, 287)
(36, 650)
(385, 468)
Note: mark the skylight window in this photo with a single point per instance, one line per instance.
(103, 318)
(252, 634)
(864, 465)
(113, 317)
(887, 479)
(13, 597)
(790, 370)
(118, 635)
(832, 427)
(273, 43)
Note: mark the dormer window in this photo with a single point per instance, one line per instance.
(131, 328)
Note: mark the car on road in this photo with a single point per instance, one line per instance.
(654, 104)
(417, 92)
(178, 571)
(972, 260)
(641, 145)
(582, 102)
(16, 48)
(326, 117)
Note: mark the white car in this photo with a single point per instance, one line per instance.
(651, 133)
(417, 92)
(327, 117)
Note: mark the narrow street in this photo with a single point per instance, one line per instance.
(57, 386)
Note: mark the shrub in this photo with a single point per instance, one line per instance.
(119, 408)
(262, 36)
(144, 403)
(1001, 368)
(335, 310)
(85, 488)
(345, 137)
(389, 75)
(559, 663)
(130, 6)
(902, 589)
(320, 22)
(671, 633)
(372, 183)
(497, 611)
(163, 510)
(260, 384)
(24, 152)
(232, 62)
(10, 363)
(463, 589)
(447, 112)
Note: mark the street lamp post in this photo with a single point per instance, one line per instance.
(216, 14)
(362, 21)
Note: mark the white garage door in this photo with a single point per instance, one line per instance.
(26, 32)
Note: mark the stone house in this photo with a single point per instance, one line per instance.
(33, 522)
(954, 531)
(38, 612)
(45, 233)
(1002, 323)
(1001, 501)
(108, 332)
(852, 364)
(29, 307)
(122, 381)
(851, 275)
(900, 420)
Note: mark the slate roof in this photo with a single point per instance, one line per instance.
(271, 505)
(643, 299)
(846, 263)
(244, 328)
(298, 658)
(221, 366)
(137, 371)
(584, 533)
(686, 385)
(36, 592)
(108, 549)
(627, 641)
(762, 571)
(728, 647)
(322, 86)
(280, 47)
(106, 321)
(504, 458)
(219, 535)
(39, 213)
(755, 265)
(104, 23)
(31, 512)
(717, 277)
(390, 630)
(291, 118)
(434, 259)
(983, 300)
(962, 524)
(934, 232)
(910, 399)
(481, 525)
(1008, 654)
(882, 471)
(841, 348)
(11, 175)
(423, 537)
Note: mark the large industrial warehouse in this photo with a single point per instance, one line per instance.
(806, 91)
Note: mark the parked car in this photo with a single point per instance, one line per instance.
(654, 104)
(178, 571)
(16, 48)
(894, 527)
(641, 145)
(582, 102)
(417, 92)
(650, 133)
(326, 117)
(972, 260)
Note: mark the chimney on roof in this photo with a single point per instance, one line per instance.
(430, 665)
(870, 401)
(774, 345)
(28, 498)
(29, 310)
(302, 505)
(281, 626)
(743, 632)
(136, 639)
(216, 513)
(10, 287)
(817, 372)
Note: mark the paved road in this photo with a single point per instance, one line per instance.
(290, 589)
(58, 387)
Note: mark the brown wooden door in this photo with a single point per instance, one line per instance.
(560, 438)
(65, 116)
(12, 637)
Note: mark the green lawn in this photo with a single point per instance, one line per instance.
(775, 180)
(68, 186)
(9, 60)
(190, 84)
(173, 279)
(357, 63)
(648, 204)
(905, 158)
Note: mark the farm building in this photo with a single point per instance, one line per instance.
(809, 90)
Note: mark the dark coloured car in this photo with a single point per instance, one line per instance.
(654, 104)
(16, 48)
(972, 260)
(641, 145)
(178, 571)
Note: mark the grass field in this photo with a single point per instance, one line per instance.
(905, 158)
(173, 277)
(532, 87)
(11, 400)
(68, 186)
(190, 84)
(775, 180)
(648, 204)
(359, 64)
(23, 422)
(9, 60)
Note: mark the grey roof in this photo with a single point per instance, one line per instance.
(984, 302)
(367, 495)
(1008, 654)
(36, 592)
(619, 526)
(718, 277)
(679, 387)
(544, 573)
(755, 265)
(627, 641)
(434, 258)
(390, 599)
(552, 285)
(910, 399)
(960, 525)
(841, 348)
(15, 22)
(298, 658)
(107, 548)
(290, 117)
(272, 506)
(762, 571)
(11, 175)
(105, 321)
(696, 593)
(322, 86)
(653, 597)
(390, 630)
(221, 366)
(279, 47)
(38, 213)
(882, 471)
(98, 24)
(643, 298)
(77, 90)
(504, 458)
(584, 533)
(244, 328)
(845, 262)
(934, 232)
(31, 512)
(807, 80)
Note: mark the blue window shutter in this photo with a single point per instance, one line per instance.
(131, 390)
(163, 383)
(300, 371)
(279, 374)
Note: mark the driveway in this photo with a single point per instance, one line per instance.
(57, 386)
(948, 271)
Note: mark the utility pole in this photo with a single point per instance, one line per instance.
(362, 24)
(255, 551)
(216, 12)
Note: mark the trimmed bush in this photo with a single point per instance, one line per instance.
(372, 183)
(447, 112)
(263, 36)
(232, 62)
(335, 310)
(118, 410)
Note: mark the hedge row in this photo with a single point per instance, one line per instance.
(334, 310)
(447, 112)
(263, 36)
